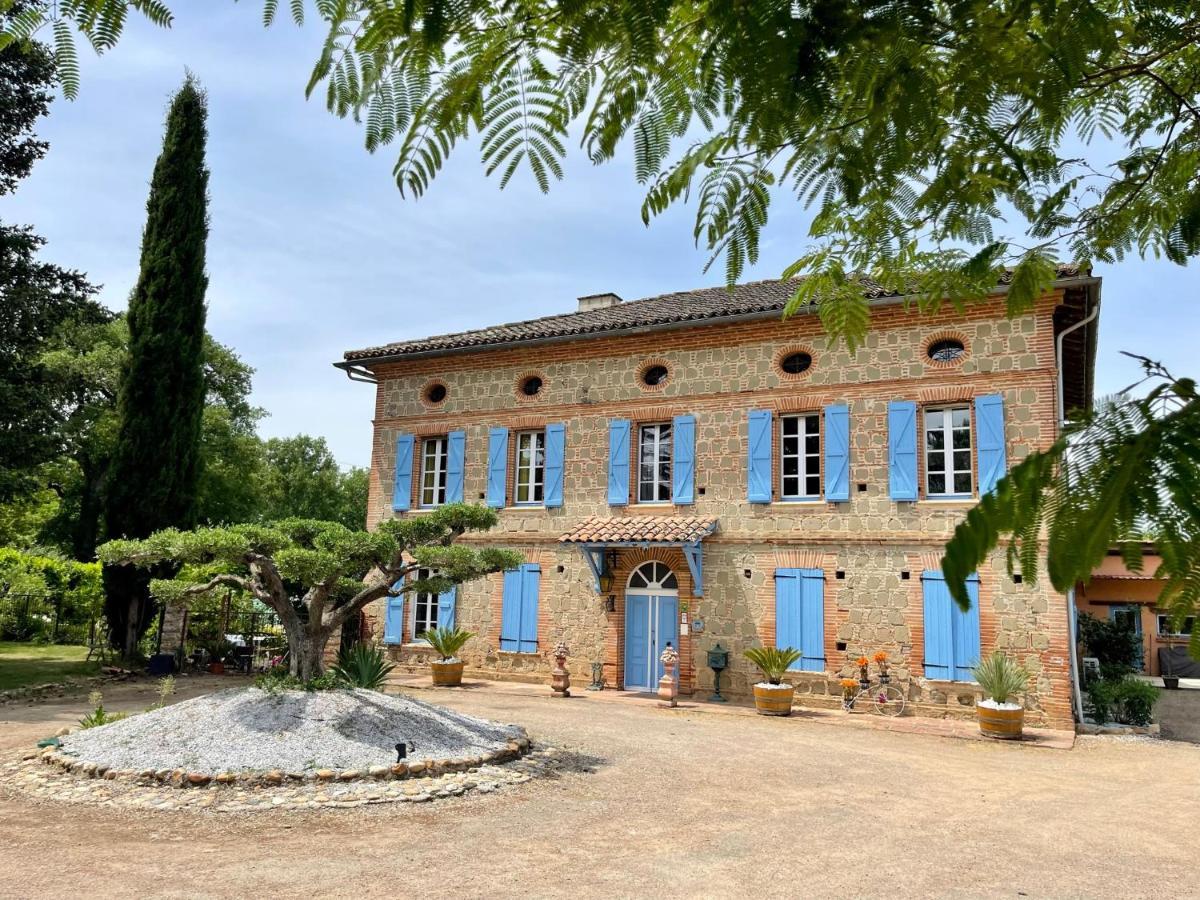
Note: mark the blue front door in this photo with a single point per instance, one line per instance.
(651, 622)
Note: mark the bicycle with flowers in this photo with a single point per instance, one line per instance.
(885, 697)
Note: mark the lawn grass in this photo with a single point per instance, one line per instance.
(28, 665)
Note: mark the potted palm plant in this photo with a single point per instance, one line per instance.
(446, 642)
(771, 696)
(1001, 679)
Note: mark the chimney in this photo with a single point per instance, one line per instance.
(597, 301)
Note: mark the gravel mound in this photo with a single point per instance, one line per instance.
(292, 731)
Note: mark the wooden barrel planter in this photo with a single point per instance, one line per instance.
(773, 699)
(447, 674)
(1002, 724)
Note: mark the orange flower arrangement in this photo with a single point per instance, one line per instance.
(862, 662)
(849, 687)
(880, 657)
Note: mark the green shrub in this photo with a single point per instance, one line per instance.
(1000, 677)
(773, 662)
(99, 716)
(1127, 700)
(1137, 699)
(1113, 642)
(279, 679)
(362, 666)
(1101, 693)
(447, 641)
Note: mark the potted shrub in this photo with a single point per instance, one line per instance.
(771, 696)
(1001, 679)
(446, 642)
(219, 651)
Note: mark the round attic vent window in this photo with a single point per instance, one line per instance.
(531, 386)
(435, 393)
(655, 375)
(796, 363)
(947, 350)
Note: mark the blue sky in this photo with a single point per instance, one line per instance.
(313, 251)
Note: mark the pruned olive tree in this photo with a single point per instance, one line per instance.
(315, 575)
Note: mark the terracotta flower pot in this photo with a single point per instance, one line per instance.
(1002, 724)
(773, 699)
(216, 668)
(447, 674)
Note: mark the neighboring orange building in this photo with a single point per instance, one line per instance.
(1116, 591)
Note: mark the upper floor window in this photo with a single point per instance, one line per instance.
(654, 463)
(433, 471)
(946, 350)
(948, 452)
(531, 467)
(800, 457)
(425, 609)
(434, 393)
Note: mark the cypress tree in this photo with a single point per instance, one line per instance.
(156, 463)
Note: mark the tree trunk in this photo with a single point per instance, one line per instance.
(308, 653)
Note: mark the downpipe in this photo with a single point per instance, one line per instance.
(1072, 612)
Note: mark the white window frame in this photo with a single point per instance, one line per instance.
(809, 463)
(660, 437)
(1163, 622)
(948, 471)
(434, 495)
(430, 602)
(535, 486)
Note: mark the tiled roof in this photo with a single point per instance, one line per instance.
(666, 309)
(630, 530)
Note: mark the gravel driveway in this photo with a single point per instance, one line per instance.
(678, 804)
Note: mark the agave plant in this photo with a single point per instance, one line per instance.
(1000, 677)
(773, 661)
(362, 666)
(447, 641)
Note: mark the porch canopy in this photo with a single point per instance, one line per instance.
(596, 534)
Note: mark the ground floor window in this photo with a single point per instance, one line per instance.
(1165, 628)
(425, 609)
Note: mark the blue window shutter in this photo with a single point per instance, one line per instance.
(497, 473)
(683, 471)
(618, 462)
(556, 451)
(902, 450)
(966, 634)
(939, 641)
(787, 610)
(393, 620)
(812, 620)
(447, 600)
(402, 485)
(531, 576)
(510, 611)
(989, 438)
(758, 461)
(456, 453)
(837, 452)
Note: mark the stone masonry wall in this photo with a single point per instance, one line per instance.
(718, 373)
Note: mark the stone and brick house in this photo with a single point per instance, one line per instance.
(692, 468)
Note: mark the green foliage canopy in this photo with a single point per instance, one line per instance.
(938, 143)
(316, 574)
(1132, 468)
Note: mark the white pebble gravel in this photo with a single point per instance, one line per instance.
(291, 731)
